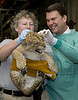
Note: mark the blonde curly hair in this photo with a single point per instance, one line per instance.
(26, 14)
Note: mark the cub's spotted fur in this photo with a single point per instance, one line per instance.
(32, 47)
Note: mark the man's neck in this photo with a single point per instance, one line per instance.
(67, 30)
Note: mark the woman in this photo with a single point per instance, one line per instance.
(26, 21)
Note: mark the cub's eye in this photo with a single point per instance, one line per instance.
(37, 43)
(26, 43)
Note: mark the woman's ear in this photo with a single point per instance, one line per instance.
(16, 28)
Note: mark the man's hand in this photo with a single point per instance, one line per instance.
(22, 36)
(49, 37)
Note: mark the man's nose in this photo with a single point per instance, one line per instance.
(50, 22)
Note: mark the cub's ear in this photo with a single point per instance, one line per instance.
(25, 42)
(43, 35)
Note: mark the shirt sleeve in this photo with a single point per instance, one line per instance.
(70, 51)
(5, 42)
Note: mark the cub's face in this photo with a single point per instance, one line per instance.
(34, 42)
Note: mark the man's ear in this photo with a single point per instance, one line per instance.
(65, 18)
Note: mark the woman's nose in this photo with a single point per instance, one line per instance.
(28, 26)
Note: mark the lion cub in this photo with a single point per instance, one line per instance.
(32, 47)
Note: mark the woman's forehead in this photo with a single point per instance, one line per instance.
(25, 19)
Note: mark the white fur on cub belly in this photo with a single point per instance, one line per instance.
(30, 81)
(33, 55)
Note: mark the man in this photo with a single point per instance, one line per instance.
(64, 43)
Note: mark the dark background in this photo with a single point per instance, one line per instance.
(8, 9)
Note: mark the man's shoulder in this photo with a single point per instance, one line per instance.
(74, 31)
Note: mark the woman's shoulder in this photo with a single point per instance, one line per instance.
(5, 41)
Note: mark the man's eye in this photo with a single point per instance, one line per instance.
(54, 18)
(48, 20)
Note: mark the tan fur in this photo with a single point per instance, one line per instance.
(32, 47)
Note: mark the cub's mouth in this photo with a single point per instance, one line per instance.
(38, 50)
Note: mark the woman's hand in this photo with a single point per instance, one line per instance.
(22, 36)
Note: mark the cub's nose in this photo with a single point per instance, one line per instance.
(44, 46)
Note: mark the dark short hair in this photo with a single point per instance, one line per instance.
(57, 7)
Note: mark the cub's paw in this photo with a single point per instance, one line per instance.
(24, 71)
(17, 79)
(31, 84)
(41, 74)
(21, 64)
(53, 68)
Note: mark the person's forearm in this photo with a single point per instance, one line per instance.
(65, 48)
(7, 49)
